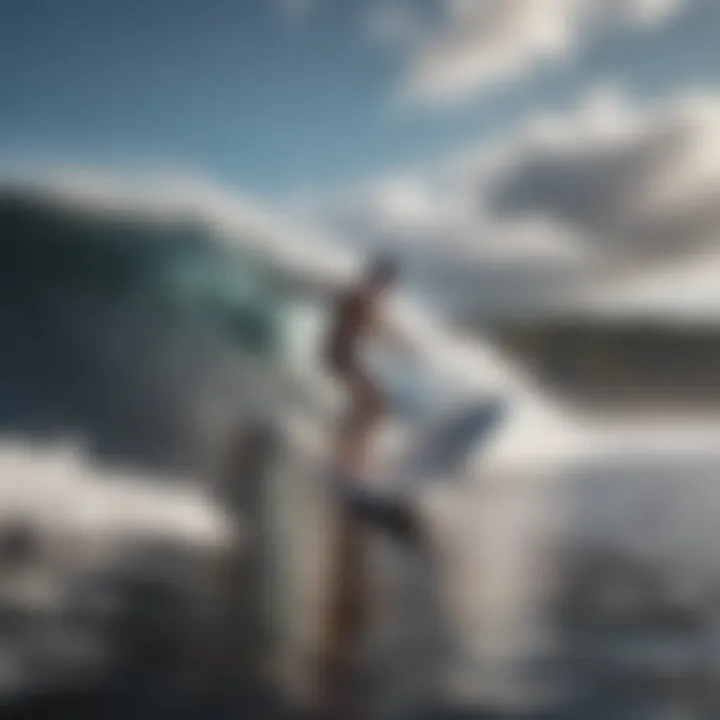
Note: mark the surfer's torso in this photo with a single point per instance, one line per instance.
(353, 320)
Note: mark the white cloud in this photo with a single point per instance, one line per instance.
(557, 196)
(477, 43)
(687, 291)
(632, 179)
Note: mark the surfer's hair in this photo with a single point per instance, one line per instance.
(383, 270)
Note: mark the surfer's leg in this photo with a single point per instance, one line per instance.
(348, 582)
(344, 619)
(369, 400)
(366, 406)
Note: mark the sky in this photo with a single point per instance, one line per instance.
(276, 94)
(526, 131)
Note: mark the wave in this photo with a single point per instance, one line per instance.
(114, 324)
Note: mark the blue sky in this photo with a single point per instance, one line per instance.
(273, 101)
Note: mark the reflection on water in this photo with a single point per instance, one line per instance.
(594, 590)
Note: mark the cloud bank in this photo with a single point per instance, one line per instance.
(603, 183)
(632, 180)
(471, 45)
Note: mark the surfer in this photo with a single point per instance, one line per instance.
(358, 316)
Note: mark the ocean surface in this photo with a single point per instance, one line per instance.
(132, 343)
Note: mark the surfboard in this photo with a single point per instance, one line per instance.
(437, 456)
(442, 449)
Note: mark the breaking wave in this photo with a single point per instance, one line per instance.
(116, 326)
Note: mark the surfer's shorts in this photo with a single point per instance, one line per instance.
(383, 511)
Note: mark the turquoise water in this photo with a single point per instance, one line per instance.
(51, 252)
(119, 328)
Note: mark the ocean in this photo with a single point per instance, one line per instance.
(117, 328)
(566, 570)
